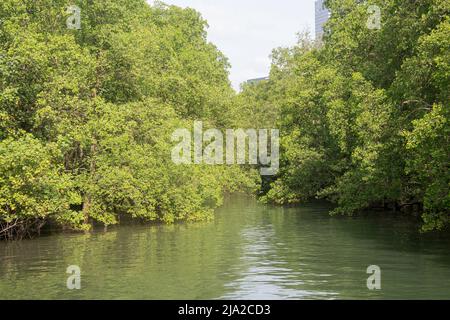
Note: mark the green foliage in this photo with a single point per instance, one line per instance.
(33, 187)
(428, 146)
(92, 111)
(364, 117)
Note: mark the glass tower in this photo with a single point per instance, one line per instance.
(322, 16)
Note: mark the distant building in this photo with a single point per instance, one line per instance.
(257, 80)
(322, 16)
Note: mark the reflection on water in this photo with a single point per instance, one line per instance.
(263, 273)
(249, 252)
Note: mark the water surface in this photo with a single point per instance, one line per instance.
(249, 251)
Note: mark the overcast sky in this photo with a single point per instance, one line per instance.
(246, 31)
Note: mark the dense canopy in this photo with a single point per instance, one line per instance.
(87, 114)
(365, 115)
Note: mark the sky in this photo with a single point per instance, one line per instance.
(247, 31)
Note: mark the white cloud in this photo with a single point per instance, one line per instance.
(247, 31)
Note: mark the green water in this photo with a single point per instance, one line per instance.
(248, 252)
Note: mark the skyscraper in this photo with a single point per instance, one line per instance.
(257, 80)
(322, 16)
